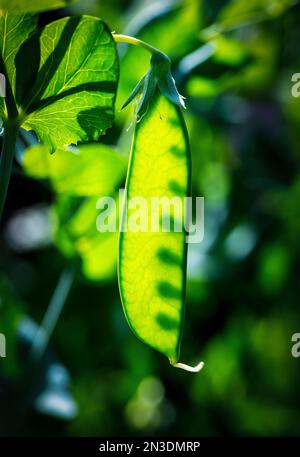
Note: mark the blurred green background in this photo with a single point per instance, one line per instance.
(233, 61)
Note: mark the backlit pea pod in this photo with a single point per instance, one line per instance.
(152, 264)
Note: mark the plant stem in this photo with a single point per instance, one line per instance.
(6, 161)
(52, 315)
(136, 42)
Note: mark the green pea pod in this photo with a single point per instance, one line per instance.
(152, 264)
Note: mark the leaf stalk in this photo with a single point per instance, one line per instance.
(52, 314)
(7, 157)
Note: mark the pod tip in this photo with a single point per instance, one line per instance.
(189, 368)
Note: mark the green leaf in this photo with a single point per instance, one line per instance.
(253, 64)
(14, 30)
(30, 6)
(76, 235)
(71, 80)
(152, 266)
(228, 51)
(74, 95)
(238, 13)
(79, 177)
(198, 86)
(91, 169)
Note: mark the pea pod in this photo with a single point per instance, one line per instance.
(152, 265)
